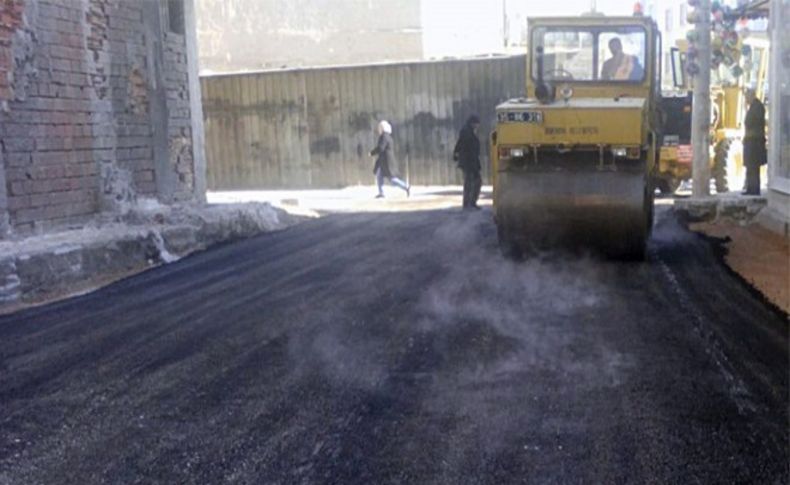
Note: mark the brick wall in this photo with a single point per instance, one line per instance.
(77, 109)
(10, 21)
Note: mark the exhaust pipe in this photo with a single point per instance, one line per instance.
(544, 92)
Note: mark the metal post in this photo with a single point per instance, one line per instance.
(700, 114)
(195, 101)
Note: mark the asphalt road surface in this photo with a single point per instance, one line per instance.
(401, 348)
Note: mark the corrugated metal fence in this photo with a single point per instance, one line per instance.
(313, 128)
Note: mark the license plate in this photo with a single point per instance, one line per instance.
(521, 117)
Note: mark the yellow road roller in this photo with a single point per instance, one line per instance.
(572, 161)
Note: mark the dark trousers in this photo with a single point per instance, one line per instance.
(754, 155)
(472, 184)
(753, 179)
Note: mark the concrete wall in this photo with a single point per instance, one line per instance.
(779, 115)
(95, 108)
(314, 128)
(239, 35)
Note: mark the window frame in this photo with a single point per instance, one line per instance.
(596, 32)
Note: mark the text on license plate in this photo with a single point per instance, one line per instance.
(520, 117)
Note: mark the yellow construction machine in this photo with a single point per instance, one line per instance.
(573, 161)
(727, 103)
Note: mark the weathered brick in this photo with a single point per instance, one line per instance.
(52, 157)
(16, 174)
(24, 215)
(146, 187)
(40, 200)
(18, 202)
(21, 187)
(25, 145)
(18, 159)
(87, 106)
(144, 176)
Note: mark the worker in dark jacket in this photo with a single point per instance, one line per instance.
(385, 160)
(754, 151)
(467, 154)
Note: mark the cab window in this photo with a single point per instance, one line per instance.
(591, 55)
(622, 56)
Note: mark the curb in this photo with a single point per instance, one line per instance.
(40, 270)
(708, 209)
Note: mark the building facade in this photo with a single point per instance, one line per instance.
(671, 17)
(254, 35)
(99, 104)
(779, 116)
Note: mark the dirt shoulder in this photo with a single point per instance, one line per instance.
(758, 255)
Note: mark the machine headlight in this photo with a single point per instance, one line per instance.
(619, 152)
(516, 152)
(566, 92)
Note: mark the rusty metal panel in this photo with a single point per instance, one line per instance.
(313, 128)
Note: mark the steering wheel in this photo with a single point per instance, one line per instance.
(564, 75)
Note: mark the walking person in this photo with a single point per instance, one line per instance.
(385, 161)
(467, 154)
(754, 151)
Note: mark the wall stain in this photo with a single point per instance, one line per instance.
(425, 120)
(359, 121)
(325, 146)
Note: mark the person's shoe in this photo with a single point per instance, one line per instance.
(475, 207)
(380, 196)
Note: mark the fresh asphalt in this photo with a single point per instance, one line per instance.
(401, 348)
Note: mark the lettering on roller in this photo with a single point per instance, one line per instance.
(581, 130)
(584, 130)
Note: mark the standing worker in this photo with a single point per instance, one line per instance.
(754, 151)
(385, 155)
(467, 154)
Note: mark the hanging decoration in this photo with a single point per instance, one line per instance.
(726, 45)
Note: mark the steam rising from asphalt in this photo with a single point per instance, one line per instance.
(480, 285)
(537, 307)
(445, 316)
